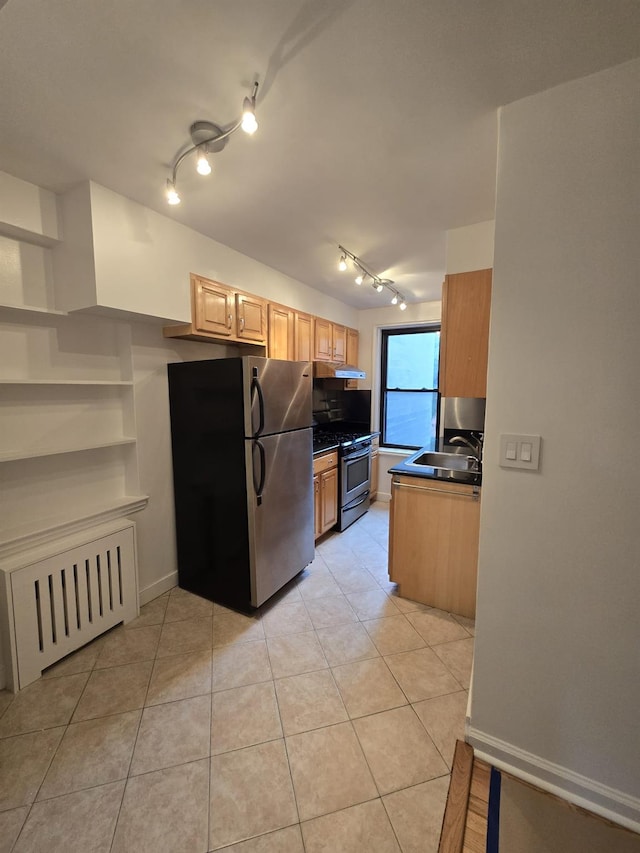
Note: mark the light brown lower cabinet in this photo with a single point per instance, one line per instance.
(433, 542)
(325, 492)
(374, 472)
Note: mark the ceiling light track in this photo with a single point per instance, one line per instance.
(378, 284)
(208, 138)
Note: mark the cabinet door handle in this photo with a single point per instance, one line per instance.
(475, 494)
(229, 320)
(242, 324)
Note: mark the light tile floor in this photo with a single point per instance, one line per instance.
(325, 723)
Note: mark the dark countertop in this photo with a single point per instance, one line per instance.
(471, 478)
(325, 447)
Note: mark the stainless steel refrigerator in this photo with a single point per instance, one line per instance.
(243, 475)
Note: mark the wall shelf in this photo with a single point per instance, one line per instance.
(31, 534)
(32, 309)
(87, 382)
(36, 453)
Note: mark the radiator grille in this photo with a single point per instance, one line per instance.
(66, 600)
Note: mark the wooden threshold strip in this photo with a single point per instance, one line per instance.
(464, 827)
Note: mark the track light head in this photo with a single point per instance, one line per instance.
(403, 305)
(249, 122)
(394, 301)
(203, 166)
(342, 263)
(171, 193)
(378, 286)
(359, 278)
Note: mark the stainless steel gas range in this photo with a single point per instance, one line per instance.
(354, 481)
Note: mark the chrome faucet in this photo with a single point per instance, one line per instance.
(475, 443)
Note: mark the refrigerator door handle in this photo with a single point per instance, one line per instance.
(259, 487)
(255, 384)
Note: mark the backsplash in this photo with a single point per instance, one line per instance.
(333, 405)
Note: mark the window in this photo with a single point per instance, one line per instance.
(409, 386)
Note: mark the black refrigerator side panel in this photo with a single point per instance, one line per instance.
(209, 480)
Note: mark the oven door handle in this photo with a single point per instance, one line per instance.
(348, 457)
(361, 501)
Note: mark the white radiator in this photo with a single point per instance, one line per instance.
(63, 600)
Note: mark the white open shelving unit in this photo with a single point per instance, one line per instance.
(68, 437)
(68, 459)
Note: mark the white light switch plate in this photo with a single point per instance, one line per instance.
(527, 451)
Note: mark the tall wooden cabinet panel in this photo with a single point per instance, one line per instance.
(325, 491)
(251, 318)
(322, 340)
(464, 340)
(302, 337)
(281, 332)
(353, 338)
(329, 498)
(213, 307)
(329, 341)
(433, 542)
(375, 459)
(339, 343)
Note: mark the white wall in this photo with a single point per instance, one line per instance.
(26, 208)
(155, 525)
(556, 687)
(470, 248)
(143, 260)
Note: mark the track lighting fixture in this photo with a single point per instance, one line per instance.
(378, 284)
(208, 138)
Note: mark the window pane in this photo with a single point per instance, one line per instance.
(412, 360)
(410, 418)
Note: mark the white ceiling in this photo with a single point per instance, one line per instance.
(378, 118)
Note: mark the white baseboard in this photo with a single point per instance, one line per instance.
(385, 497)
(610, 803)
(157, 588)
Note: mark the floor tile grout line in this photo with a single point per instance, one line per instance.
(135, 741)
(210, 759)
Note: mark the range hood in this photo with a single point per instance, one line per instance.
(334, 370)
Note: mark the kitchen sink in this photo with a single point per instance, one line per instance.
(447, 461)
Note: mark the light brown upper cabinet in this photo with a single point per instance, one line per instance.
(352, 355)
(281, 332)
(222, 312)
(464, 338)
(213, 307)
(302, 336)
(330, 341)
(251, 318)
(290, 333)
